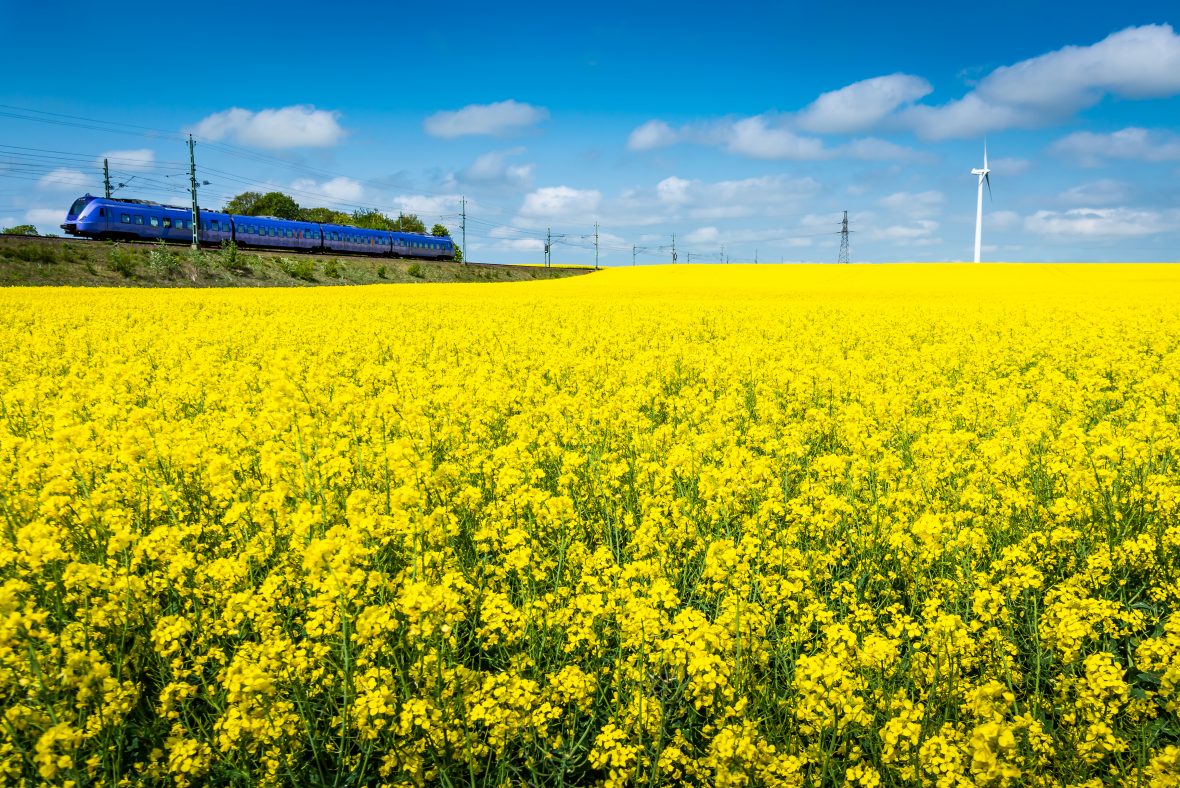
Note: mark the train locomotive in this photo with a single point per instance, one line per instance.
(115, 219)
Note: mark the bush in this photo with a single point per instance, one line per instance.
(298, 268)
(200, 259)
(415, 270)
(162, 260)
(34, 253)
(20, 229)
(332, 268)
(381, 273)
(229, 254)
(120, 260)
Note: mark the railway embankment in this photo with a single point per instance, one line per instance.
(41, 261)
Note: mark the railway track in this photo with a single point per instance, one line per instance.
(58, 239)
(267, 250)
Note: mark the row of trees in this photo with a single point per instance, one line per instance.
(283, 206)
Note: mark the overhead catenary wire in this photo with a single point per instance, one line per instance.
(31, 164)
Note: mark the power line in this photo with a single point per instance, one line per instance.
(844, 257)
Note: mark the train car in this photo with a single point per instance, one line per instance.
(106, 218)
(216, 228)
(272, 233)
(100, 217)
(428, 246)
(342, 238)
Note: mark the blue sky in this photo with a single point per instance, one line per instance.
(748, 127)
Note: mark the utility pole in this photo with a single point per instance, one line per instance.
(596, 246)
(192, 174)
(106, 179)
(673, 248)
(724, 259)
(844, 241)
(548, 247)
(463, 225)
(755, 257)
(632, 254)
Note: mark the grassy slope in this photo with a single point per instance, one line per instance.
(30, 261)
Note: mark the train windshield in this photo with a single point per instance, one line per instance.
(78, 205)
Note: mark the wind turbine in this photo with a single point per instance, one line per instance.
(984, 175)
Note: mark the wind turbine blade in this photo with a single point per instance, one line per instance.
(988, 179)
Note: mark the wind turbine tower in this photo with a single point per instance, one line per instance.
(984, 175)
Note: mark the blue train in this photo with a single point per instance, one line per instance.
(98, 217)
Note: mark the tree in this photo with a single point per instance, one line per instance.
(243, 204)
(20, 229)
(274, 204)
(372, 220)
(438, 231)
(324, 216)
(278, 205)
(409, 223)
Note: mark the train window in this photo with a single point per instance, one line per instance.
(155, 221)
(125, 218)
(167, 222)
(213, 225)
(138, 219)
(290, 233)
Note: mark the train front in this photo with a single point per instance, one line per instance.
(79, 219)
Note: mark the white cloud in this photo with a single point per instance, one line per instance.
(521, 245)
(768, 195)
(1152, 145)
(759, 139)
(771, 195)
(297, 126)
(1010, 166)
(494, 168)
(64, 180)
(429, 205)
(1102, 192)
(552, 202)
(674, 190)
(873, 149)
(1098, 223)
(653, 134)
(861, 105)
(497, 119)
(927, 203)
(768, 136)
(1136, 63)
(703, 235)
(136, 160)
(46, 218)
(338, 190)
(1001, 220)
(916, 230)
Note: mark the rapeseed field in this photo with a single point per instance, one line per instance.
(732, 526)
